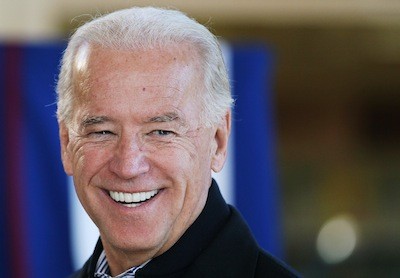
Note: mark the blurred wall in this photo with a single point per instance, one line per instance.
(38, 19)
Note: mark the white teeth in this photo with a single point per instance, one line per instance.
(132, 199)
(115, 196)
(128, 198)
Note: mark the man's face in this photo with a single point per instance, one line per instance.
(140, 158)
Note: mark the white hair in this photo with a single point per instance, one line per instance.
(147, 28)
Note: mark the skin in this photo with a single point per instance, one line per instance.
(136, 128)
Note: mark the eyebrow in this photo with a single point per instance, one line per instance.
(168, 117)
(93, 120)
(165, 118)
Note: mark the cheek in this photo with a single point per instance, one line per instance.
(89, 160)
(190, 162)
(202, 152)
(174, 162)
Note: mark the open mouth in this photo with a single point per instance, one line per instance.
(132, 200)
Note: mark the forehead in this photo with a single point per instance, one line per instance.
(122, 78)
(175, 64)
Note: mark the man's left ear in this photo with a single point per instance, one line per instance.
(221, 138)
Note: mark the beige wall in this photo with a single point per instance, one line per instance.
(38, 19)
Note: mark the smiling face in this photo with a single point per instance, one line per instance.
(140, 158)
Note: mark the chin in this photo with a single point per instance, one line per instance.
(133, 241)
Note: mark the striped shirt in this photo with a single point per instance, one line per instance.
(103, 269)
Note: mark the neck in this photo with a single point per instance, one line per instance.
(120, 261)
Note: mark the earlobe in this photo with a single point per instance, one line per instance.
(221, 139)
(65, 152)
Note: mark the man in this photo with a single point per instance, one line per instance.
(144, 116)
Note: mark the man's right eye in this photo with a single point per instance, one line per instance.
(101, 133)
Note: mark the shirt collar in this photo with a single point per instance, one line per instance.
(103, 269)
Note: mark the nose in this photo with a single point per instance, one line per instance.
(129, 160)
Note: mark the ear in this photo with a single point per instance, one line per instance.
(221, 138)
(65, 149)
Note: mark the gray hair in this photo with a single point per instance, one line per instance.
(146, 28)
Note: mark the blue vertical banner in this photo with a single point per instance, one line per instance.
(36, 237)
(256, 188)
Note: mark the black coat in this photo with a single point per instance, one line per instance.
(218, 244)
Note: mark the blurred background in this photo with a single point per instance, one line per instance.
(336, 112)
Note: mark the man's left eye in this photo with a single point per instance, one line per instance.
(161, 132)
